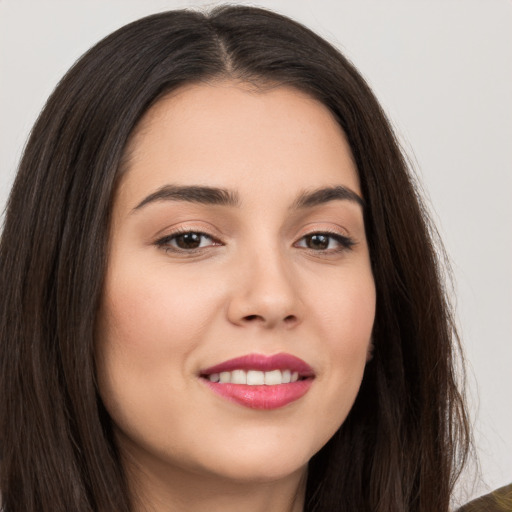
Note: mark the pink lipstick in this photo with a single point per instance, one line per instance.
(259, 381)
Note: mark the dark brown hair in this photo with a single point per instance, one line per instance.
(406, 436)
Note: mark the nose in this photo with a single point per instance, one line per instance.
(265, 294)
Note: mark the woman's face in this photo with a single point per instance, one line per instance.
(237, 254)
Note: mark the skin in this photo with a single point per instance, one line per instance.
(256, 284)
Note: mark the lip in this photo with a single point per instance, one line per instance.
(263, 363)
(263, 397)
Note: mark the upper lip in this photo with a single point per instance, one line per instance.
(264, 363)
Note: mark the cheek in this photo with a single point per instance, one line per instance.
(344, 318)
(153, 315)
(147, 327)
(346, 311)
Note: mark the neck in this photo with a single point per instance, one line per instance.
(182, 491)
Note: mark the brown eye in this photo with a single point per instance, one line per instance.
(331, 242)
(318, 242)
(189, 241)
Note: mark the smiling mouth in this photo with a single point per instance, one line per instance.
(260, 382)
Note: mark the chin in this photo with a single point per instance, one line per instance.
(261, 462)
(261, 470)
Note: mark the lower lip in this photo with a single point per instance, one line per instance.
(262, 397)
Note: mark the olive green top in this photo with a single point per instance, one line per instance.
(499, 500)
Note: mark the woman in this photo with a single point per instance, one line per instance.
(219, 286)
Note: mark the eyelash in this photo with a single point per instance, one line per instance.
(345, 243)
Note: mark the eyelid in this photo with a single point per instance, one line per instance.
(188, 226)
(326, 227)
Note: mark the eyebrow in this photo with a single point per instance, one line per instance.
(223, 197)
(192, 194)
(326, 194)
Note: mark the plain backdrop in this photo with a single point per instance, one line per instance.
(442, 70)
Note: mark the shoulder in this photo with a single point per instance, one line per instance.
(499, 500)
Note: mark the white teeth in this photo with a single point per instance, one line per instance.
(225, 377)
(255, 377)
(273, 378)
(238, 377)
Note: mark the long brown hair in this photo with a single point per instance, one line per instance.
(406, 437)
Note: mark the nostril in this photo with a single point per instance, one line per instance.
(251, 318)
(272, 319)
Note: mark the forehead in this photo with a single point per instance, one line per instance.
(235, 135)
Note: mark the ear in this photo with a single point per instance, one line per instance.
(369, 352)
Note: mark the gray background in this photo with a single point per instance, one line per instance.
(443, 71)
